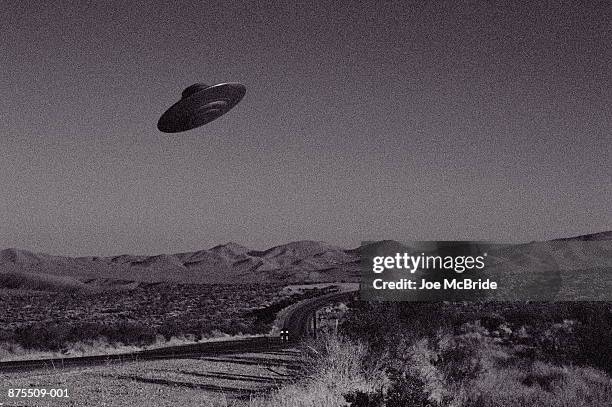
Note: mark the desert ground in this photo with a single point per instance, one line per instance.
(551, 353)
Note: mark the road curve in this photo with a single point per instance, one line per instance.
(294, 321)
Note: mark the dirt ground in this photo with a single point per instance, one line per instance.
(227, 380)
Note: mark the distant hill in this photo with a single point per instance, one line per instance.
(296, 262)
(40, 282)
(304, 261)
(592, 237)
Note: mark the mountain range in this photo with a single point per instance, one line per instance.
(296, 262)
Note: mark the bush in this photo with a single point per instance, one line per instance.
(363, 399)
(54, 337)
(406, 389)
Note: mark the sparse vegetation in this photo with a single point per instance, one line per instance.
(386, 354)
(462, 354)
(336, 367)
(61, 322)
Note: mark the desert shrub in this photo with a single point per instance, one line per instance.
(41, 336)
(335, 368)
(491, 320)
(383, 325)
(539, 384)
(56, 336)
(582, 343)
(594, 347)
(576, 332)
(129, 333)
(169, 328)
(364, 399)
(464, 356)
(137, 316)
(405, 389)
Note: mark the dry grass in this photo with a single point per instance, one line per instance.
(10, 351)
(75, 324)
(472, 369)
(336, 368)
(541, 384)
(469, 369)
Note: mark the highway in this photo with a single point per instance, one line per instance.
(294, 321)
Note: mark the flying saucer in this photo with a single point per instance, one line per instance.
(200, 104)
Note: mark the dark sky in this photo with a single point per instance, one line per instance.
(375, 120)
